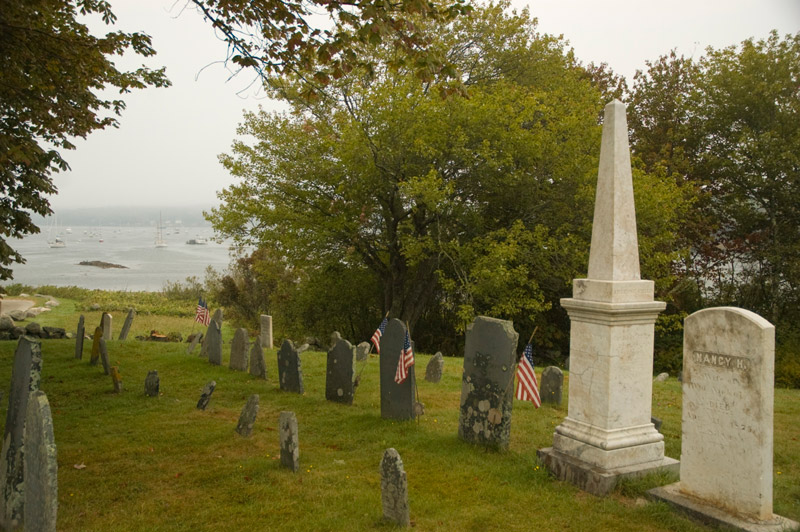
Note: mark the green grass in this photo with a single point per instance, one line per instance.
(159, 464)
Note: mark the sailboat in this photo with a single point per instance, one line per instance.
(160, 243)
(56, 241)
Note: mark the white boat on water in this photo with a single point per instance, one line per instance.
(54, 237)
(197, 241)
(160, 242)
(57, 242)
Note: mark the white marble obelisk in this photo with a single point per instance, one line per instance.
(607, 432)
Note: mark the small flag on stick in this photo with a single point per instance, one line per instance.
(527, 386)
(376, 336)
(202, 315)
(405, 361)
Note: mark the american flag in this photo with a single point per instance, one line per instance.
(202, 315)
(376, 336)
(527, 386)
(405, 361)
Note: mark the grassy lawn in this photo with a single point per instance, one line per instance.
(157, 464)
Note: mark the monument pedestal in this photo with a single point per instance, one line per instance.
(702, 511)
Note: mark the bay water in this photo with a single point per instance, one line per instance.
(148, 268)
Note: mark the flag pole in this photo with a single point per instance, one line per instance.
(416, 388)
(513, 373)
(357, 380)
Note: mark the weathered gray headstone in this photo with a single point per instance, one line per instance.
(152, 384)
(116, 379)
(551, 389)
(41, 466)
(335, 337)
(25, 378)
(238, 360)
(79, 336)
(217, 317)
(362, 351)
(266, 331)
(433, 371)
(487, 384)
(290, 446)
(727, 424)
(104, 356)
(397, 400)
(98, 335)
(213, 343)
(339, 374)
(126, 327)
(248, 416)
(258, 364)
(394, 488)
(105, 323)
(290, 374)
(204, 345)
(205, 397)
(661, 377)
(196, 338)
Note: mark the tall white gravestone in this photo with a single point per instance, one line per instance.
(607, 433)
(727, 433)
(266, 331)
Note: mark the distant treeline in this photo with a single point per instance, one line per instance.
(191, 215)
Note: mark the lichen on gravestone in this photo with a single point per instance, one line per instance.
(290, 446)
(116, 379)
(41, 467)
(394, 489)
(433, 371)
(98, 335)
(248, 416)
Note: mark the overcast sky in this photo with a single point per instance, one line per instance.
(165, 151)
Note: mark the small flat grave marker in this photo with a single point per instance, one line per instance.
(152, 384)
(394, 488)
(551, 389)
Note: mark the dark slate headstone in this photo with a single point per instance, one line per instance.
(290, 446)
(248, 416)
(487, 384)
(41, 467)
(394, 487)
(25, 377)
(362, 351)
(290, 375)
(152, 384)
(206, 395)
(79, 336)
(116, 379)
(239, 351)
(196, 338)
(339, 375)
(213, 343)
(126, 327)
(258, 364)
(98, 335)
(397, 400)
(433, 371)
(551, 388)
(104, 357)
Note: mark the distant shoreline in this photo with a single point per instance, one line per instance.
(101, 264)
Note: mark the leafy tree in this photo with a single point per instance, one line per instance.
(464, 205)
(52, 70)
(276, 38)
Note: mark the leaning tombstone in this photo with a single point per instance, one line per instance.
(41, 467)
(238, 359)
(607, 434)
(433, 371)
(258, 365)
(394, 488)
(487, 383)
(727, 421)
(339, 373)
(79, 337)
(104, 357)
(205, 397)
(266, 331)
(248, 417)
(290, 374)
(152, 384)
(196, 338)
(213, 343)
(116, 378)
(25, 377)
(105, 323)
(362, 351)
(98, 335)
(290, 447)
(551, 389)
(126, 327)
(397, 400)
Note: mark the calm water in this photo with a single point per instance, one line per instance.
(148, 267)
